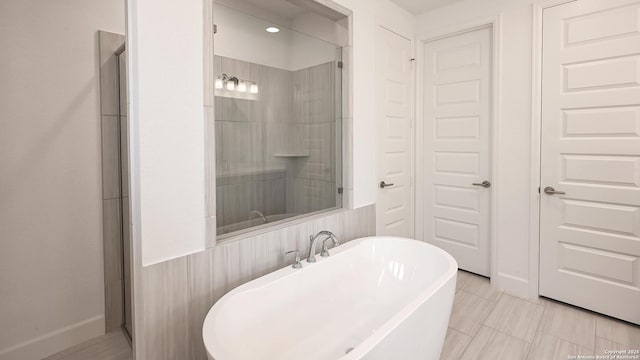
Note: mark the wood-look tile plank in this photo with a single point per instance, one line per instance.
(454, 345)
(199, 273)
(463, 278)
(111, 346)
(482, 287)
(549, 347)
(113, 307)
(166, 301)
(112, 239)
(469, 312)
(618, 331)
(179, 293)
(516, 317)
(491, 344)
(110, 157)
(108, 44)
(569, 323)
(603, 345)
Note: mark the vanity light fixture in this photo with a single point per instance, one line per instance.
(273, 29)
(232, 83)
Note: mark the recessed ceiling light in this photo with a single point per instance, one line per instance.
(273, 29)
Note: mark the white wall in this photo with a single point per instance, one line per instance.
(165, 88)
(243, 37)
(51, 272)
(167, 127)
(361, 187)
(512, 182)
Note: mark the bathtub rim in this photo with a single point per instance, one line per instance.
(371, 341)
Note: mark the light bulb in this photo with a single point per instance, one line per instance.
(218, 83)
(242, 87)
(231, 85)
(253, 89)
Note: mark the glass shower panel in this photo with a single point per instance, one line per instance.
(278, 122)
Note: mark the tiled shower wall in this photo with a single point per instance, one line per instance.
(249, 132)
(179, 293)
(113, 193)
(315, 118)
(276, 153)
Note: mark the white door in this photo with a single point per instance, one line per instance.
(457, 119)
(395, 135)
(590, 229)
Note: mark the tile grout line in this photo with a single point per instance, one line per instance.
(483, 320)
(544, 310)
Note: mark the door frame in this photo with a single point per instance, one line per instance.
(412, 122)
(536, 142)
(493, 22)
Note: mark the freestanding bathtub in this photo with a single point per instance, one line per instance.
(376, 298)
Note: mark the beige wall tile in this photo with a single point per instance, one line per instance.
(108, 44)
(166, 310)
(113, 307)
(112, 239)
(179, 293)
(110, 157)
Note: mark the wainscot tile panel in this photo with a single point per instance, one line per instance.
(179, 293)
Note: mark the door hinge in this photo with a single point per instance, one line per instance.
(340, 64)
(215, 28)
(538, 189)
(340, 190)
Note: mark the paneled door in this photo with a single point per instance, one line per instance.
(457, 171)
(395, 135)
(590, 174)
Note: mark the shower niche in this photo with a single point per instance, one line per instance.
(280, 73)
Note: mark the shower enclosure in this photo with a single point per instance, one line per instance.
(115, 182)
(278, 116)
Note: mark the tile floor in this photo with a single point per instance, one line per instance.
(485, 324)
(111, 346)
(489, 324)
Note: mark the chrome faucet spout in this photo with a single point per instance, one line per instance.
(313, 240)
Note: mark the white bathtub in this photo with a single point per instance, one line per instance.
(383, 297)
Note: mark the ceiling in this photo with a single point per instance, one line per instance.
(280, 7)
(420, 6)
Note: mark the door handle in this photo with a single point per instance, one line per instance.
(551, 191)
(484, 184)
(384, 185)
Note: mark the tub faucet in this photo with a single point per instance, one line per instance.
(256, 213)
(313, 239)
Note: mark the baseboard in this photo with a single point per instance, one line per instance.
(511, 284)
(55, 341)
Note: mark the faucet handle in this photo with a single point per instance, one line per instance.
(297, 264)
(325, 250)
